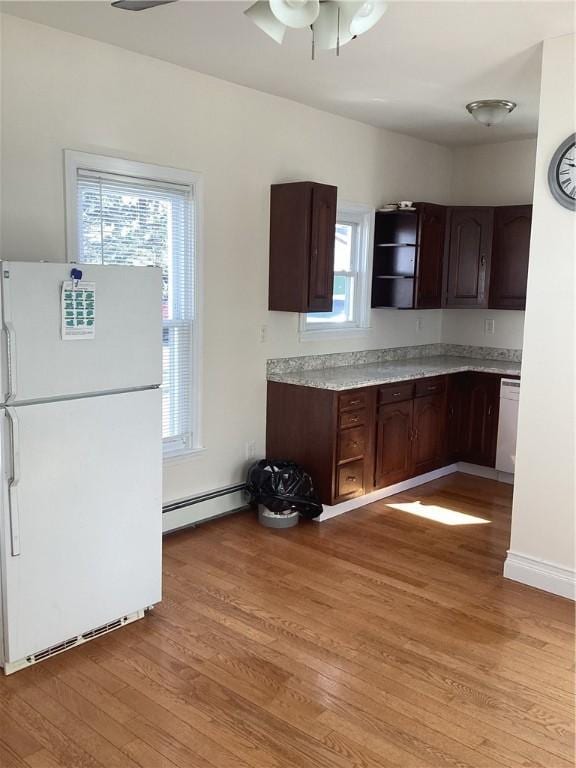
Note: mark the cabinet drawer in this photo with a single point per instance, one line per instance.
(434, 386)
(351, 419)
(351, 443)
(350, 479)
(349, 400)
(395, 393)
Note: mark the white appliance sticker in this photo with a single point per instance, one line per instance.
(78, 306)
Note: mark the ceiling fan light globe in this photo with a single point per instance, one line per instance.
(261, 14)
(296, 14)
(366, 16)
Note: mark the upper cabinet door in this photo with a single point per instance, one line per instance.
(510, 250)
(469, 254)
(323, 235)
(432, 231)
(302, 235)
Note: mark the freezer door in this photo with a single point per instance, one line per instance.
(86, 506)
(126, 351)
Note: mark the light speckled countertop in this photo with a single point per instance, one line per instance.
(353, 376)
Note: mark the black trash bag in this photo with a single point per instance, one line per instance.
(283, 486)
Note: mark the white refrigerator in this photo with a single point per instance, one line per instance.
(81, 454)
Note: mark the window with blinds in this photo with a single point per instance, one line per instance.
(125, 219)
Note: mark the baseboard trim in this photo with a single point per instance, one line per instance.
(540, 574)
(346, 506)
(488, 472)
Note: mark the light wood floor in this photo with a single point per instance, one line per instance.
(377, 639)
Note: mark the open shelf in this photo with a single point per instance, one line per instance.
(394, 277)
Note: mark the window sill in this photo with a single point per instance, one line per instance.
(176, 457)
(333, 333)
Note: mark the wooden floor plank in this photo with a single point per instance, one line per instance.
(379, 638)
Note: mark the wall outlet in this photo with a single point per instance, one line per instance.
(489, 326)
(419, 324)
(263, 333)
(250, 449)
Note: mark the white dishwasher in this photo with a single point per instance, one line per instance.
(507, 425)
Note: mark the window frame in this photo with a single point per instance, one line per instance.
(74, 161)
(363, 216)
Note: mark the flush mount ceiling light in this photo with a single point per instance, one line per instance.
(333, 22)
(490, 111)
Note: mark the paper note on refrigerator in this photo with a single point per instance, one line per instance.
(78, 307)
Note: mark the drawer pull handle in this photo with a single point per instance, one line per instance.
(432, 388)
(354, 420)
(354, 402)
(352, 479)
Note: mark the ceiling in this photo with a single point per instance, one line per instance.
(413, 72)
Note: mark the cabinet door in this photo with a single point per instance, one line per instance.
(469, 254)
(393, 443)
(480, 419)
(455, 396)
(428, 433)
(432, 230)
(510, 249)
(323, 234)
(302, 234)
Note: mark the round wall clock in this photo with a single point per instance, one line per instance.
(562, 173)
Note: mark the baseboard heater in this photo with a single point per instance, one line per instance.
(172, 506)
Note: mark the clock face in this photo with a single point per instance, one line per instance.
(566, 172)
(562, 173)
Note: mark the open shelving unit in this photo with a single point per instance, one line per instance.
(394, 265)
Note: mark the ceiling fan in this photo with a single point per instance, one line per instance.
(332, 22)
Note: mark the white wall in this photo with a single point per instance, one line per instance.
(543, 533)
(468, 326)
(64, 91)
(494, 174)
(490, 174)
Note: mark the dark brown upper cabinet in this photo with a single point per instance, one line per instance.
(302, 235)
(510, 250)
(408, 257)
(468, 256)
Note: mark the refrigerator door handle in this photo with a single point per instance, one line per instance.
(11, 352)
(14, 514)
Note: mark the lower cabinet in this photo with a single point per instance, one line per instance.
(479, 418)
(358, 441)
(394, 434)
(428, 436)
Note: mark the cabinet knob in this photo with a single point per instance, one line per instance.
(352, 479)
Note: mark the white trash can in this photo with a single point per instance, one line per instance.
(277, 520)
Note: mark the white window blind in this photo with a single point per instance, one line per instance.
(129, 220)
